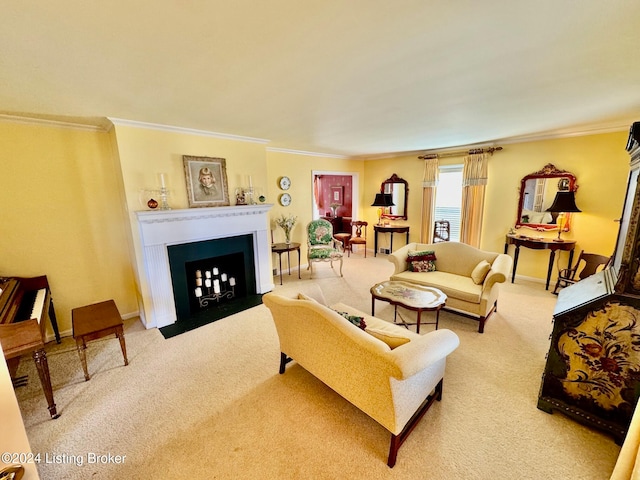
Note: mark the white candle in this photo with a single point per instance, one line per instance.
(224, 277)
(232, 282)
(198, 292)
(207, 283)
(198, 282)
(250, 182)
(207, 274)
(215, 271)
(216, 283)
(216, 288)
(162, 184)
(198, 274)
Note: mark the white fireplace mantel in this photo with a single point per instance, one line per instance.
(161, 228)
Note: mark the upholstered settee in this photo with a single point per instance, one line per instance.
(468, 276)
(394, 386)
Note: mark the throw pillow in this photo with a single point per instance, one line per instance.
(480, 272)
(421, 260)
(356, 320)
(391, 339)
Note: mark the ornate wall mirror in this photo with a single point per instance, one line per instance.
(537, 192)
(399, 191)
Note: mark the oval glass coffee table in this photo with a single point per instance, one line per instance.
(411, 296)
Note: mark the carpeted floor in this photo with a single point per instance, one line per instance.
(209, 403)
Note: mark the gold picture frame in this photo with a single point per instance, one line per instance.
(206, 179)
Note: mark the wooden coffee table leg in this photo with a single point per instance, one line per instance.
(418, 321)
(81, 345)
(120, 335)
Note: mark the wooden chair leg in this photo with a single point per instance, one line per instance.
(398, 440)
(283, 362)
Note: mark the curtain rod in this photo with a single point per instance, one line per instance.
(459, 153)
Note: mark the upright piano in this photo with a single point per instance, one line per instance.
(25, 309)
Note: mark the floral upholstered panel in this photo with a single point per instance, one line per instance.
(322, 253)
(320, 232)
(602, 356)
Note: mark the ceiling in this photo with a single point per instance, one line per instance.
(354, 78)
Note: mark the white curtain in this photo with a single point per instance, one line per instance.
(474, 181)
(429, 184)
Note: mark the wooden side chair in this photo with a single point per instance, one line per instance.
(322, 246)
(441, 231)
(358, 239)
(592, 263)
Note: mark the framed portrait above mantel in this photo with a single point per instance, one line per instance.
(206, 179)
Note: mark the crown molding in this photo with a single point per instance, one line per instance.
(188, 131)
(310, 154)
(536, 137)
(48, 122)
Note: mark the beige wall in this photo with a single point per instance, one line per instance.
(62, 216)
(599, 162)
(68, 197)
(299, 169)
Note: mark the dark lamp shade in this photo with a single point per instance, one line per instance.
(564, 202)
(383, 200)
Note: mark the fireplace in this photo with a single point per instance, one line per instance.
(210, 274)
(165, 230)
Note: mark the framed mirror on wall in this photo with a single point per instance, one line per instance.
(398, 188)
(537, 192)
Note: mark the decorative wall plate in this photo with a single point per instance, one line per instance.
(285, 199)
(285, 183)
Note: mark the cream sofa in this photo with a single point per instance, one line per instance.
(395, 386)
(455, 264)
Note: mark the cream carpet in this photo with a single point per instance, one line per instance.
(210, 404)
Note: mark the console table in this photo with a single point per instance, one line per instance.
(388, 229)
(538, 244)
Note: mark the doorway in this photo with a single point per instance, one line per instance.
(335, 192)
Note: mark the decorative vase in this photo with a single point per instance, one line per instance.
(287, 237)
(334, 210)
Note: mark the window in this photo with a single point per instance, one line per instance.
(449, 198)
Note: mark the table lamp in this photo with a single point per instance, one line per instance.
(382, 200)
(565, 202)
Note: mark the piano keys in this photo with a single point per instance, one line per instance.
(25, 310)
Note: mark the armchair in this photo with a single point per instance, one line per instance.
(322, 246)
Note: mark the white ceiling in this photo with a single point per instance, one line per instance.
(349, 77)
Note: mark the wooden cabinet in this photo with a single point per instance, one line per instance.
(592, 373)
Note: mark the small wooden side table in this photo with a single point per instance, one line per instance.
(93, 322)
(280, 248)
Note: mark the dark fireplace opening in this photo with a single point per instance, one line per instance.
(214, 281)
(211, 279)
